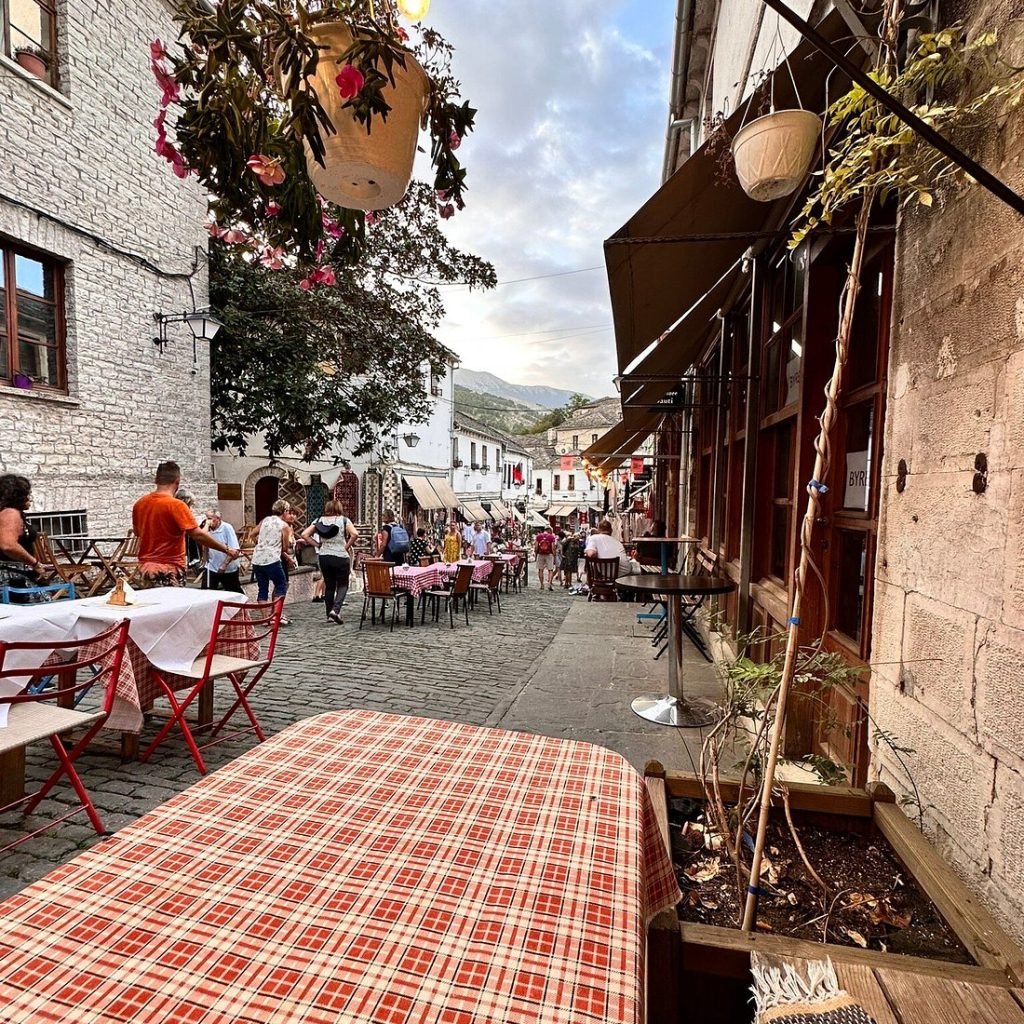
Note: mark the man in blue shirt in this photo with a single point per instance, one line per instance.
(221, 571)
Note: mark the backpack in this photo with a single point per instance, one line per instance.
(399, 542)
(544, 546)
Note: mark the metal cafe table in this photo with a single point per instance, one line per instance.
(358, 866)
(674, 708)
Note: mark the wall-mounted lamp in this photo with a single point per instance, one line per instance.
(411, 439)
(201, 322)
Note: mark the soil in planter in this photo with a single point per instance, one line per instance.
(873, 902)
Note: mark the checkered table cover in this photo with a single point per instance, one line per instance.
(481, 569)
(418, 578)
(357, 867)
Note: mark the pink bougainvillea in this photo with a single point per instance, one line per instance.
(331, 226)
(454, 140)
(272, 258)
(169, 94)
(318, 275)
(272, 209)
(447, 211)
(267, 169)
(350, 82)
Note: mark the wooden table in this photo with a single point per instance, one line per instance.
(358, 867)
(893, 996)
(674, 708)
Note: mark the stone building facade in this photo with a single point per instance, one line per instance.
(921, 539)
(98, 237)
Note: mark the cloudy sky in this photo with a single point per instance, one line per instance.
(573, 101)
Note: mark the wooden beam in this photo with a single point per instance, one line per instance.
(940, 1000)
(977, 929)
(727, 951)
(840, 800)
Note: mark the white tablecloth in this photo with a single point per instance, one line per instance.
(170, 626)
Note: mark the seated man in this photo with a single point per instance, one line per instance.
(601, 544)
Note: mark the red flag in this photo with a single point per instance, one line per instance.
(568, 463)
(517, 473)
(636, 466)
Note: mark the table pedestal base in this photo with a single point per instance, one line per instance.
(684, 712)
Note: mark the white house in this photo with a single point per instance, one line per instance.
(97, 237)
(478, 465)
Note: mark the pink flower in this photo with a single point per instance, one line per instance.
(168, 85)
(234, 237)
(370, 218)
(327, 276)
(402, 34)
(272, 209)
(318, 275)
(442, 195)
(271, 258)
(319, 250)
(447, 211)
(454, 140)
(157, 51)
(331, 226)
(216, 231)
(267, 169)
(178, 166)
(350, 82)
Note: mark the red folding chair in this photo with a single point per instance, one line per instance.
(41, 712)
(240, 650)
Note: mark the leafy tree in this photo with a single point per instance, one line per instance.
(558, 416)
(335, 364)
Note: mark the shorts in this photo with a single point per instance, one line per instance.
(545, 563)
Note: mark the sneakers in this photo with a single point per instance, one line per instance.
(335, 617)
(285, 622)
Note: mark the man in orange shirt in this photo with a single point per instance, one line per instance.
(161, 522)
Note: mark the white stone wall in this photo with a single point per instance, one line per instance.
(85, 157)
(475, 484)
(948, 638)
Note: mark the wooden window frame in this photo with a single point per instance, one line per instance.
(8, 280)
(48, 13)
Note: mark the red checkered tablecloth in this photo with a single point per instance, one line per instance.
(357, 867)
(418, 578)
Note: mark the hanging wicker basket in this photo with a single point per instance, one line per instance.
(366, 170)
(773, 153)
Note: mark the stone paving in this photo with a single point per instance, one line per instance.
(551, 664)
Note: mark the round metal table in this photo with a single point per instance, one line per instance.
(674, 708)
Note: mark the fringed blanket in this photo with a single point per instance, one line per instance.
(786, 994)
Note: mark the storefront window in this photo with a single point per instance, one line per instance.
(851, 565)
(860, 421)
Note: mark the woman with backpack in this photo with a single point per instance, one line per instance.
(336, 534)
(393, 539)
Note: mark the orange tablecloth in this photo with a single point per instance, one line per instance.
(357, 867)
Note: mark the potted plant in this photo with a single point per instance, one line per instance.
(34, 60)
(300, 118)
(773, 153)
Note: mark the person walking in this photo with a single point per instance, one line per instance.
(467, 539)
(221, 570)
(392, 539)
(272, 554)
(570, 559)
(337, 535)
(480, 546)
(544, 546)
(162, 522)
(452, 547)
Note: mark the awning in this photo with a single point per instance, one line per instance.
(516, 514)
(444, 492)
(537, 520)
(622, 441)
(424, 493)
(560, 511)
(499, 510)
(475, 511)
(665, 294)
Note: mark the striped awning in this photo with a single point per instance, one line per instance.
(424, 493)
(474, 512)
(444, 492)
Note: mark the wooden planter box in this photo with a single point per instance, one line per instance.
(702, 972)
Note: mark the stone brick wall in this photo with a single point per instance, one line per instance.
(83, 158)
(948, 639)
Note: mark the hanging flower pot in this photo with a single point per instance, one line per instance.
(773, 153)
(366, 170)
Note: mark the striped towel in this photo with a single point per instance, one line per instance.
(785, 994)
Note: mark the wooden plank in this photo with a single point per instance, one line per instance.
(848, 800)
(860, 981)
(656, 791)
(732, 947)
(12, 776)
(941, 1001)
(977, 929)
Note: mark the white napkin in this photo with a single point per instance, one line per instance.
(129, 593)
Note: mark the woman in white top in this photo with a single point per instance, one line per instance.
(272, 553)
(336, 535)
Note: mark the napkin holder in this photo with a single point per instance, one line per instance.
(122, 594)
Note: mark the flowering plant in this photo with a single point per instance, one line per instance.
(242, 85)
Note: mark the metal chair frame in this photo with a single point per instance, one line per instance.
(244, 632)
(492, 586)
(451, 597)
(31, 719)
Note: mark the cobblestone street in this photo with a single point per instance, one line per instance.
(550, 663)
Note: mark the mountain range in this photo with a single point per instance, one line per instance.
(523, 394)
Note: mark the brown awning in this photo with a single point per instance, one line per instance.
(671, 290)
(474, 511)
(622, 441)
(444, 492)
(425, 495)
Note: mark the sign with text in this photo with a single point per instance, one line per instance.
(857, 482)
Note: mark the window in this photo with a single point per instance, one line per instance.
(576, 441)
(30, 36)
(484, 458)
(435, 383)
(472, 455)
(31, 320)
(557, 485)
(70, 528)
(572, 482)
(539, 485)
(593, 438)
(456, 461)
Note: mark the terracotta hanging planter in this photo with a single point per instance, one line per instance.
(366, 170)
(32, 62)
(773, 153)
